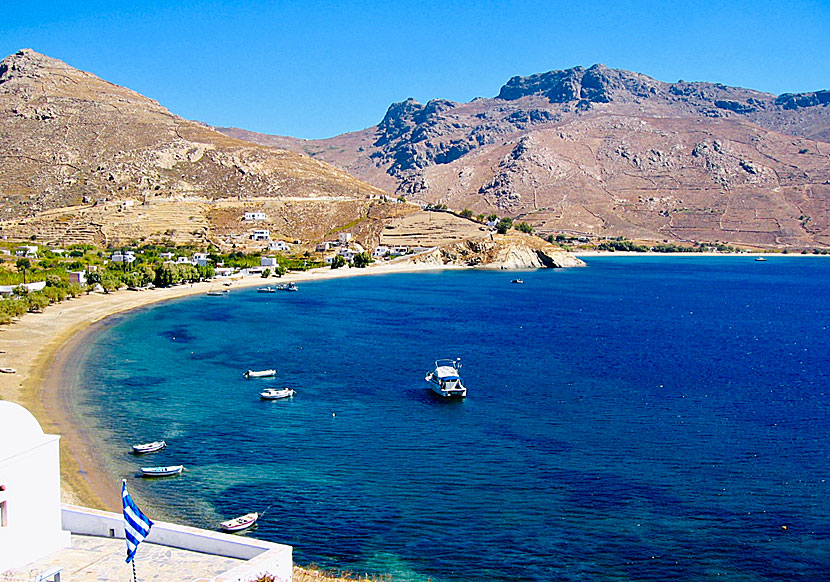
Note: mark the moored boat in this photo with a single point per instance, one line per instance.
(161, 471)
(287, 287)
(149, 447)
(268, 289)
(760, 259)
(444, 379)
(276, 393)
(216, 293)
(240, 523)
(8, 370)
(260, 373)
(519, 281)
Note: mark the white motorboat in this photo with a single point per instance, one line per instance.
(260, 373)
(215, 293)
(444, 379)
(518, 281)
(149, 447)
(268, 289)
(161, 471)
(276, 393)
(239, 523)
(287, 287)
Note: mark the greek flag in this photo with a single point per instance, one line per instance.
(136, 524)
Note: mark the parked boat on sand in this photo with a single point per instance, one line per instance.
(8, 370)
(149, 447)
(161, 471)
(239, 523)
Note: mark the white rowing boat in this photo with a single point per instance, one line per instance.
(161, 471)
(240, 523)
(149, 447)
(260, 373)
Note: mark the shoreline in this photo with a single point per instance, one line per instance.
(45, 348)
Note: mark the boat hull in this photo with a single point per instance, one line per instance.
(240, 523)
(149, 447)
(276, 394)
(161, 471)
(260, 373)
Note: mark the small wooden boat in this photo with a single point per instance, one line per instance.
(215, 293)
(276, 393)
(8, 370)
(519, 281)
(161, 471)
(149, 447)
(760, 259)
(240, 523)
(260, 373)
(266, 290)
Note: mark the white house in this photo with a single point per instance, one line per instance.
(323, 247)
(278, 245)
(344, 237)
(29, 251)
(254, 216)
(380, 252)
(397, 251)
(200, 259)
(78, 277)
(261, 234)
(347, 254)
(166, 256)
(125, 257)
(268, 262)
(183, 261)
(30, 490)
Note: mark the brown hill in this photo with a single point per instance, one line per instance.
(84, 160)
(608, 153)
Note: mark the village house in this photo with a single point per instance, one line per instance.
(323, 247)
(344, 238)
(398, 251)
(261, 234)
(78, 277)
(200, 259)
(166, 256)
(268, 262)
(380, 252)
(278, 245)
(28, 251)
(126, 257)
(256, 215)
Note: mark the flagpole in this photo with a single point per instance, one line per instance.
(134, 577)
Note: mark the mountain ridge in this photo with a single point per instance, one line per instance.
(571, 151)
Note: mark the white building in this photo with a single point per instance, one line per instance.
(29, 251)
(183, 261)
(78, 277)
(323, 247)
(380, 252)
(30, 489)
(261, 234)
(278, 245)
(166, 256)
(200, 259)
(344, 237)
(125, 257)
(254, 216)
(397, 251)
(268, 262)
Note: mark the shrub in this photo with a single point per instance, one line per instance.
(362, 260)
(338, 261)
(504, 225)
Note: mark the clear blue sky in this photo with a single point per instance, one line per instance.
(315, 69)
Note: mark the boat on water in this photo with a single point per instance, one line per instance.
(444, 379)
(519, 281)
(149, 447)
(217, 293)
(276, 393)
(760, 259)
(239, 523)
(161, 471)
(287, 287)
(260, 373)
(8, 370)
(268, 289)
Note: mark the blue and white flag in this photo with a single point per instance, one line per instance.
(136, 524)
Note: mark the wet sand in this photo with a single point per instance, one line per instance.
(46, 348)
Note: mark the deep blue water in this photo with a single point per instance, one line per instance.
(638, 419)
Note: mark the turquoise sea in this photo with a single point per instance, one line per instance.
(639, 419)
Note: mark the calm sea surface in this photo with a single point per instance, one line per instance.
(638, 419)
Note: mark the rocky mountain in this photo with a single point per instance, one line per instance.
(84, 160)
(607, 152)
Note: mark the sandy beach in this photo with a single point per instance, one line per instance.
(43, 348)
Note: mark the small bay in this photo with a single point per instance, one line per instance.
(639, 419)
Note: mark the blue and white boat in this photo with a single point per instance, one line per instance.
(445, 380)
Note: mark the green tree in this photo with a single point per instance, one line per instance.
(266, 273)
(466, 213)
(23, 264)
(279, 270)
(362, 260)
(492, 217)
(37, 302)
(167, 275)
(338, 261)
(504, 225)
(525, 227)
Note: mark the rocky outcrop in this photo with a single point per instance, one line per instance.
(509, 253)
